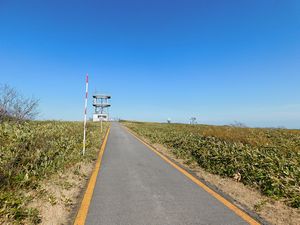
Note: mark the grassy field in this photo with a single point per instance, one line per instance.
(267, 159)
(31, 152)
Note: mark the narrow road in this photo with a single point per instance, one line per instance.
(136, 187)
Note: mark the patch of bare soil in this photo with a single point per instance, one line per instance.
(272, 211)
(57, 198)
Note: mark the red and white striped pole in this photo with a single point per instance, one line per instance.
(85, 111)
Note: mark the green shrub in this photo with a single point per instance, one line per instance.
(268, 159)
(33, 151)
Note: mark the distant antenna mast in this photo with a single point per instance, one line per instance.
(85, 112)
(193, 120)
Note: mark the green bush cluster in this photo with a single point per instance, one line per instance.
(270, 163)
(33, 151)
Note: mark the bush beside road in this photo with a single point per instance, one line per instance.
(267, 159)
(31, 153)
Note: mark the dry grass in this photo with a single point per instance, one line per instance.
(275, 212)
(31, 153)
(266, 159)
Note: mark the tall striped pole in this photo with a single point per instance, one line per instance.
(85, 111)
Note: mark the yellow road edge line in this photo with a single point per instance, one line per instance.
(229, 205)
(85, 204)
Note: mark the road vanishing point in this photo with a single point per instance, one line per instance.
(135, 186)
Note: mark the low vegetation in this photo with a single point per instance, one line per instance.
(268, 159)
(31, 152)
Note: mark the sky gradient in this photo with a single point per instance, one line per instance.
(220, 61)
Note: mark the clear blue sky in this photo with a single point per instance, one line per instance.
(220, 61)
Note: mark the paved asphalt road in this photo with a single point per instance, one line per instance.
(137, 187)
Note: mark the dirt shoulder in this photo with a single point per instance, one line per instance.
(57, 198)
(270, 210)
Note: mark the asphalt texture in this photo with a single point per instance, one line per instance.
(136, 187)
